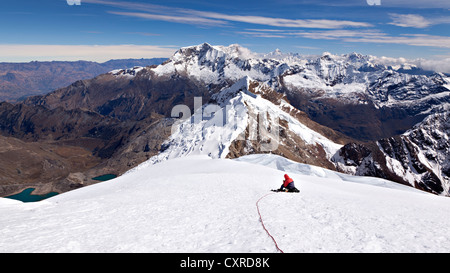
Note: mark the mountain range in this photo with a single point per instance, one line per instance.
(346, 113)
(21, 80)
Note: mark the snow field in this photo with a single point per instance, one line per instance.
(203, 205)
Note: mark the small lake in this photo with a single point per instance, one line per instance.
(26, 196)
(105, 177)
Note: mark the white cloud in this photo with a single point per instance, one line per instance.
(407, 39)
(363, 36)
(98, 53)
(281, 22)
(339, 34)
(416, 21)
(409, 20)
(191, 16)
(262, 34)
(441, 64)
(175, 19)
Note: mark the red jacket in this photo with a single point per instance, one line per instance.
(287, 180)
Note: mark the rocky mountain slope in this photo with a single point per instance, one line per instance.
(63, 149)
(34, 164)
(419, 157)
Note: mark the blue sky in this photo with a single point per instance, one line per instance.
(100, 30)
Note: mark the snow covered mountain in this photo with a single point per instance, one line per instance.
(357, 95)
(393, 95)
(329, 88)
(218, 64)
(352, 77)
(419, 157)
(209, 206)
(246, 118)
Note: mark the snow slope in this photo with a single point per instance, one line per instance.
(214, 126)
(199, 204)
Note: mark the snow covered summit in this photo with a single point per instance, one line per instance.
(220, 64)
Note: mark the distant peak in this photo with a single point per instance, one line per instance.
(355, 55)
(276, 52)
(200, 47)
(327, 56)
(233, 51)
(203, 45)
(237, 51)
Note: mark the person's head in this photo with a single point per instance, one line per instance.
(286, 176)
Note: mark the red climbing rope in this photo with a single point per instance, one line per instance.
(268, 233)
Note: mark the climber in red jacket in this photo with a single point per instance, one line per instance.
(288, 185)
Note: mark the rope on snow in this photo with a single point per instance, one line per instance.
(262, 223)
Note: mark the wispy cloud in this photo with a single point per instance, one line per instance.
(364, 36)
(207, 18)
(409, 20)
(416, 20)
(99, 53)
(424, 40)
(172, 18)
(317, 35)
(281, 22)
(349, 31)
(444, 4)
(339, 34)
(262, 34)
(307, 47)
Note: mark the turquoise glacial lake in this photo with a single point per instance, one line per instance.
(26, 196)
(105, 177)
